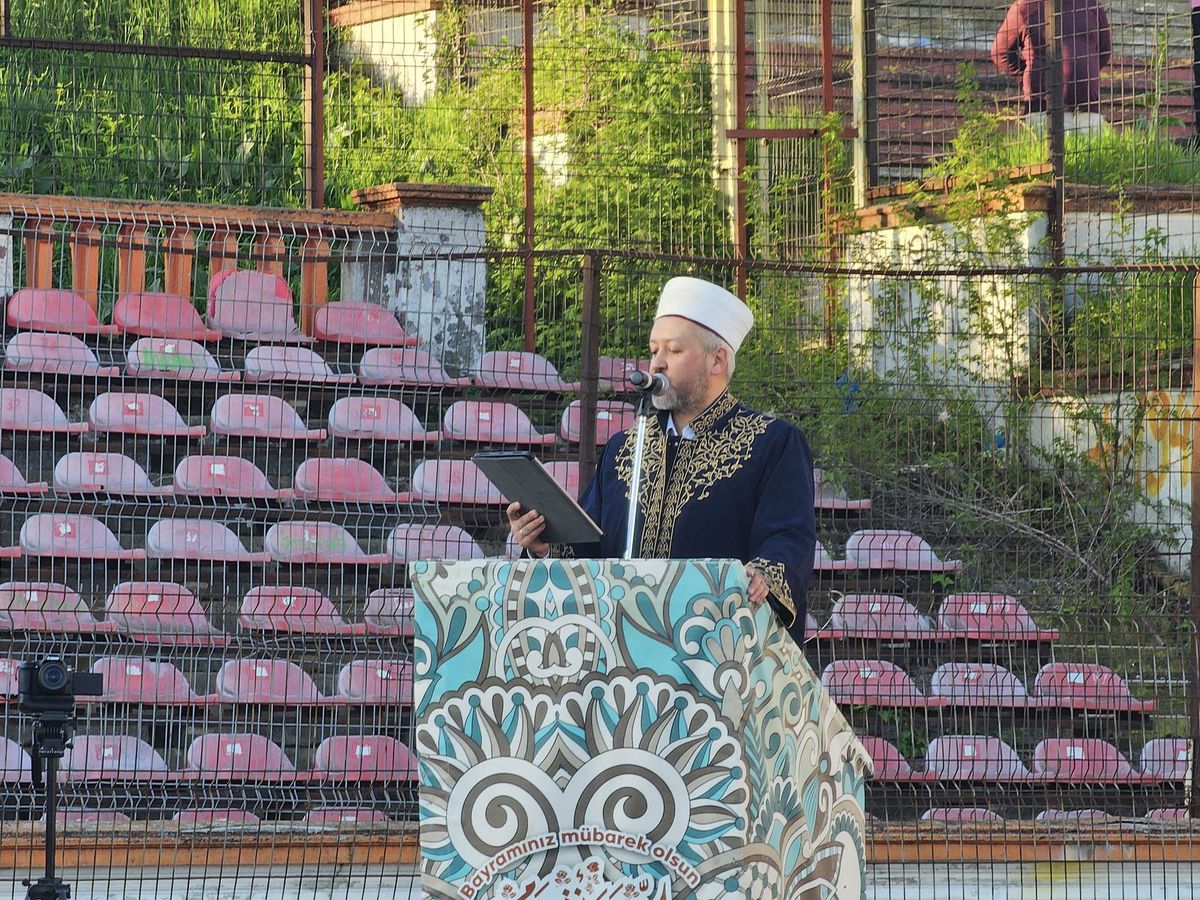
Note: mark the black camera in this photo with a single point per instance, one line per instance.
(49, 686)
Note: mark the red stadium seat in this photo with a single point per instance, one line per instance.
(955, 815)
(411, 542)
(295, 364)
(131, 679)
(974, 758)
(160, 315)
(823, 562)
(225, 476)
(8, 676)
(990, 617)
(566, 474)
(198, 539)
(491, 422)
(54, 309)
(376, 681)
(329, 816)
(389, 611)
(238, 757)
(890, 764)
(518, 371)
(979, 684)
(902, 550)
(87, 472)
(76, 818)
(377, 419)
(1168, 815)
(12, 481)
(210, 818)
(46, 606)
(268, 681)
(404, 366)
(348, 480)
(1086, 686)
(253, 306)
(364, 758)
(880, 617)
(830, 496)
(293, 609)
(1084, 760)
(24, 409)
(117, 758)
(874, 682)
(71, 536)
(54, 354)
(317, 543)
(175, 358)
(260, 416)
(350, 322)
(160, 611)
(614, 372)
(454, 481)
(1073, 815)
(1167, 758)
(612, 417)
(143, 414)
(18, 767)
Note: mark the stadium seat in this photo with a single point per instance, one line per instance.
(1073, 815)
(890, 764)
(86, 472)
(1086, 686)
(237, 757)
(225, 476)
(880, 617)
(491, 422)
(376, 681)
(148, 415)
(260, 416)
(198, 539)
(453, 481)
(46, 606)
(8, 676)
(294, 609)
(295, 364)
(566, 473)
(1168, 815)
(350, 322)
(955, 815)
(404, 366)
(340, 817)
(882, 549)
(411, 542)
(132, 679)
(989, 617)
(823, 562)
(24, 409)
(363, 758)
(12, 480)
(70, 536)
(1084, 760)
(54, 309)
(160, 315)
(18, 767)
(53, 354)
(979, 684)
(974, 758)
(348, 480)
(90, 818)
(516, 371)
(268, 681)
(612, 417)
(832, 497)
(614, 372)
(1167, 758)
(874, 682)
(389, 611)
(118, 758)
(174, 358)
(317, 543)
(377, 419)
(253, 306)
(214, 818)
(160, 611)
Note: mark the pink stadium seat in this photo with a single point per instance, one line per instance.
(160, 315)
(75, 818)
(376, 681)
(46, 606)
(389, 611)
(520, 372)
(160, 611)
(979, 684)
(880, 549)
(890, 764)
(131, 679)
(86, 472)
(350, 322)
(18, 767)
(329, 816)
(363, 758)
(92, 757)
(410, 542)
(1073, 815)
(142, 414)
(974, 758)
(612, 417)
(8, 676)
(566, 474)
(174, 358)
(260, 416)
(70, 536)
(298, 364)
(1168, 815)
(268, 681)
(348, 480)
(198, 539)
(12, 481)
(614, 372)
(492, 422)
(55, 354)
(294, 608)
(453, 481)
(880, 616)
(253, 306)
(225, 476)
(24, 409)
(1087, 686)
(209, 818)
(1167, 758)
(238, 757)
(831, 496)
(396, 365)
(874, 682)
(956, 815)
(317, 543)
(377, 419)
(1083, 760)
(990, 617)
(823, 562)
(54, 309)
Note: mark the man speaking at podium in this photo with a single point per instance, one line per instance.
(718, 479)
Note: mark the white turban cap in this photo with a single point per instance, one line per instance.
(707, 304)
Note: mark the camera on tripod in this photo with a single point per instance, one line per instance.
(49, 686)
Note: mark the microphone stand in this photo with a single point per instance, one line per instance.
(645, 410)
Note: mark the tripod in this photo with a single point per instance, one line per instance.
(51, 735)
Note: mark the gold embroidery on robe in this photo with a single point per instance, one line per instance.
(774, 574)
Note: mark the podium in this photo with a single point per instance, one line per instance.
(620, 729)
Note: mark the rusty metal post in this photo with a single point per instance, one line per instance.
(741, 243)
(828, 240)
(1193, 660)
(590, 350)
(314, 104)
(527, 311)
(6, 17)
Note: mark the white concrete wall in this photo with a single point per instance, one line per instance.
(398, 53)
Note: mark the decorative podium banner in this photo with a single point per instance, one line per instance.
(624, 729)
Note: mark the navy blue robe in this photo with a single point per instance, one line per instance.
(742, 488)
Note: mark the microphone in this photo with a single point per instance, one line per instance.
(655, 385)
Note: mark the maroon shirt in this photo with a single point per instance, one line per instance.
(1020, 49)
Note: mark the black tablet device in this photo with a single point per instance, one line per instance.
(521, 476)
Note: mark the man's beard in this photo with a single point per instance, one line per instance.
(682, 396)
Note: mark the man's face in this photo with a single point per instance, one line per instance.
(677, 350)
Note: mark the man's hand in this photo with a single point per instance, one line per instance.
(527, 529)
(758, 586)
